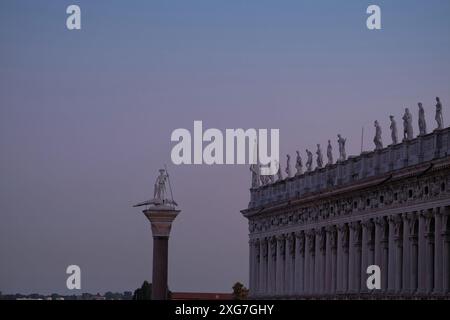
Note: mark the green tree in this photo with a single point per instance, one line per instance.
(144, 292)
(240, 292)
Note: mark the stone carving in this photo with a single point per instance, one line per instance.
(309, 161)
(298, 164)
(254, 168)
(279, 173)
(288, 166)
(422, 123)
(341, 143)
(330, 153)
(319, 157)
(393, 127)
(377, 139)
(438, 117)
(407, 125)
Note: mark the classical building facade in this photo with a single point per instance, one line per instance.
(315, 234)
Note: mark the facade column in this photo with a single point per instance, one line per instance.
(339, 259)
(263, 266)
(311, 253)
(322, 252)
(445, 232)
(429, 236)
(351, 260)
(413, 224)
(438, 279)
(391, 258)
(256, 267)
(358, 256)
(383, 226)
(422, 246)
(366, 230)
(279, 279)
(299, 262)
(271, 265)
(289, 264)
(334, 261)
(398, 239)
(307, 273)
(328, 260)
(251, 274)
(345, 258)
(406, 264)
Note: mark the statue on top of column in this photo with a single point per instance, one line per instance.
(288, 166)
(159, 192)
(341, 143)
(422, 123)
(438, 117)
(407, 125)
(377, 139)
(298, 164)
(330, 153)
(309, 161)
(393, 127)
(319, 157)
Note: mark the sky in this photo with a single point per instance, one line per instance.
(86, 117)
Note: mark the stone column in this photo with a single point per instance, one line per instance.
(334, 262)
(312, 253)
(413, 224)
(321, 270)
(263, 266)
(256, 267)
(422, 253)
(406, 259)
(358, 254)
(289, 264)
(339, 259)
(351, 262)
(280, 264)
(299, 262)
(429, 236)
(366, 230)
(161, 219)
(345, 258)
(307, 273)
(328, 259)
(445, 232)
(251, 262)
(398, 239)
(391, 258)
(384, 252)
(438, 244)
(271, 265)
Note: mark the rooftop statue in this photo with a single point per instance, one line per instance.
(298, 164)
(377, 139)
(159, 192)
(341, 143)
(279, 173)
(330, 153)
(319, 157)
(422, 123)
(255, 170)
(407, 125)
(288, 166)
(438, 117)
(309, 161)
(393, 127)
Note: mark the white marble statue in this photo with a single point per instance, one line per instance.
(159, 192)
(309, 160)
(330, 153)
(298, 164)
(393, 127)
(422, 123)
(377, 139)
(319, 157)
(438, 117)
(341, 143)
(288, 166)
(407, 125)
